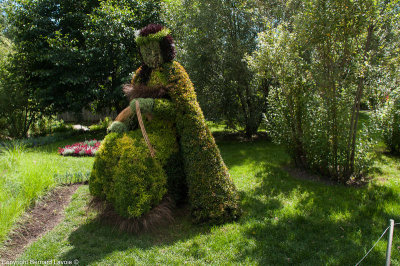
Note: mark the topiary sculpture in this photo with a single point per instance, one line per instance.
(186, 156)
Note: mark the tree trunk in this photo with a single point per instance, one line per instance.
(356, 108)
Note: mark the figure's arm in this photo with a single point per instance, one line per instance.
(146, 106)
(120, 123)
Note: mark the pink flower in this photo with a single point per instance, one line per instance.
(87, 148)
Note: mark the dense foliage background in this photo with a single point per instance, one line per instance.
(71, 54)
(213, 37)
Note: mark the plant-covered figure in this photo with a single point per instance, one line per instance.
(180, 157)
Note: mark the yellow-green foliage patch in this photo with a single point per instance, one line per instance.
(125, 174)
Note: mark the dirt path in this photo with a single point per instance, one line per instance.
(43, 217)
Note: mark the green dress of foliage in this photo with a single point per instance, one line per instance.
(212, 194)
(125, 174)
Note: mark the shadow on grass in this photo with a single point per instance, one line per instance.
(95, 241)
(304, 222)
(385, 156)
(385, 159)
(296, 221)
(256, 153)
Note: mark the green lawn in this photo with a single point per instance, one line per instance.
(27, 173)
(285, 221)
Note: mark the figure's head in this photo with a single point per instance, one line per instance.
(156, 45)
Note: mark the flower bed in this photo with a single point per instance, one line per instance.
(86, 148)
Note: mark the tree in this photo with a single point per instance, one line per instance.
(213, 38)
(111, 51)
(14, 104)
(321, 64)
(386, 117)
(5, 49)
(48, 45)
(279, 11)
(74, 54)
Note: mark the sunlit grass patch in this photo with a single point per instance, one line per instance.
(26, 174)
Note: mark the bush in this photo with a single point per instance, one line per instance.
(318, 76)
(123, 163)
(125, 174)
(102, 125)
(387, 119)
(47, 125)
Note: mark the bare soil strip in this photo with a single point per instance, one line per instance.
(43, 217)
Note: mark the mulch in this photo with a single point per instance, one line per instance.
(306, 175)
(41, 218)
(160, 216)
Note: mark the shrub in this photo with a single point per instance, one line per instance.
(127, 176)
(212, 194)
(45, 140)
(48, 125)
(318, 76)
(387, 119)
(102, 125)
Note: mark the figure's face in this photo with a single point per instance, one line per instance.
(151, 54)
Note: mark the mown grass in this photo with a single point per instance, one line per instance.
(286, 221)
(26, 174)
